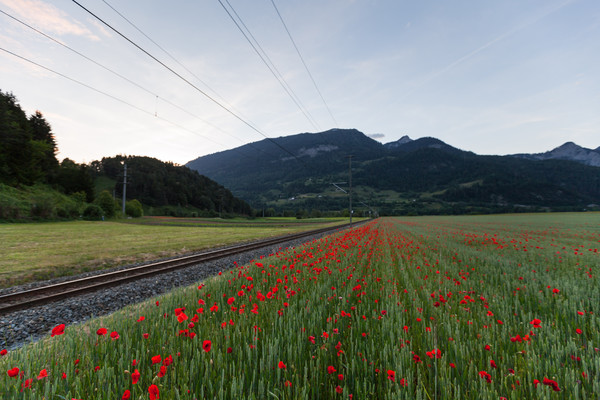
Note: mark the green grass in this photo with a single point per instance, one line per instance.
(483, 307)
(39, 251)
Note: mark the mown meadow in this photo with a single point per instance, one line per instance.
(45, 250)
(487, 307)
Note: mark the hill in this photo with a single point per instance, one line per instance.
(408, 176)
(35, 186)
(161, 186)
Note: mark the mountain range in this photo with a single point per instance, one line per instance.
(312, 171)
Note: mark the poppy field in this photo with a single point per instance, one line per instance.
(488, 307)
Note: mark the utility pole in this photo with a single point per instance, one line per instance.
(124, 185)
(350, 184)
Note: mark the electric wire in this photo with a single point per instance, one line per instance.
(267, 61)
(172, 57)
(106, 94)
(125, 78)
(304, 63)
(245, 122)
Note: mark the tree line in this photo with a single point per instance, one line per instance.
(35, 185)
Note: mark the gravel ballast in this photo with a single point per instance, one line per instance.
(22, 327)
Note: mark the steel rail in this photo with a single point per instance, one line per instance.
(45, 294)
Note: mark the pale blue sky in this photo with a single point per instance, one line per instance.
(492, 77)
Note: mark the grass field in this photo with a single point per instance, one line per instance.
(491, 307)
(37, 251)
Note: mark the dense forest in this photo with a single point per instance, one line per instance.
(34, 185)
(158, 184)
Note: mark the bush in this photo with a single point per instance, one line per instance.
(134, 209)
(42, 206)
(106, 202)
(93, 212)
(11, 206)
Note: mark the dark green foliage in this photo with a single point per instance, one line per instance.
(27, 145)
(38, 202)
(158, 184)
(93, 212)
(73, 178)
(133, 208)
(106, 202)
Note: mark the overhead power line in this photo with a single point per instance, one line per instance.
(267, 61)
(304, 63)
(171, 56)
(124, 78)
(245, 122)
(108, 95)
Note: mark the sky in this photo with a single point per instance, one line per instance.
(179, 80)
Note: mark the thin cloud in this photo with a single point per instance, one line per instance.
(492, 42)
(48, 18)
(376, 135)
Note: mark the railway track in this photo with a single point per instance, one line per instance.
(50, 293)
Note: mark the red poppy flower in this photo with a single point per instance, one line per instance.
(281, 365)
(26, 384)
(206, 345)
(58, 330)
(551, 383)
(493, 364)
(135, 377)
(126, 395)
(341, 377)
(64, 375)
(578, 331)
(141, 318)
(168, 361)
(391, 375)
(229, 350)
(339, 389)
(181, 317)
(43, 373)
(153, 391)
(145, 335)
(13, 372)
(536, 323)
(486, 376)
(114, 335)
(330, 369)
(101, 332)
(156, 359)
(3, 352)
(437, 353)
(162, 372)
